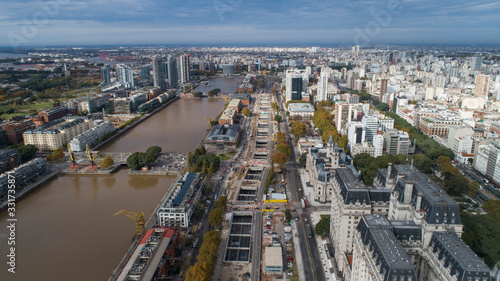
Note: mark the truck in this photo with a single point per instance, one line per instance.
(302, 203)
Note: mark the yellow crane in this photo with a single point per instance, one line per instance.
(226, 98)
(138, 218)
(92, 165)
(74, 166)
(209, 122)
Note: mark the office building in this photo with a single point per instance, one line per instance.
(173, 79)
(321, 164)
(158, 73)
(228, 116)
(105, 75)
(378, 143)
(296, 84)
(223, 136)
(145, 73)
(482, 85)
(177, 207)
(396, 142)
(228, 69)
(476, 63)
(434, 126)
(301, 109)
(370, 125)
(184, 68)
(385, 123)
(273, 260)
(488, 161)
(364, 147)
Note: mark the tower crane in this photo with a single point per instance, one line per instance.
(226, 98)
(138, 218)
(74, 166)
(209, 122)
(92, 166)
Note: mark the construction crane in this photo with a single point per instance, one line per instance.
(209, 122)
(92, 166)
(226, 98)
(138, 218)
(74, 166)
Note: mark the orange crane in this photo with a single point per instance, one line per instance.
(140, 223)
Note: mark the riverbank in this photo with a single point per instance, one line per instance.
(31, 187)
(133, 125)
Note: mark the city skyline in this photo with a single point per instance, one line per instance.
(64, 22)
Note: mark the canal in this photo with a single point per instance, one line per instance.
(66, 230)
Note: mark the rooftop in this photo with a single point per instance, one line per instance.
(300, 107)
(224, 132)
(273, 256)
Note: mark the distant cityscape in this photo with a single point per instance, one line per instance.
(352, 163)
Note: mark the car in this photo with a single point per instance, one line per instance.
(289, 272)
(289, 259)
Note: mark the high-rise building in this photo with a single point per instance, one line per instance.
(396, 142)
(370, 124)
(125, 76)
(482, 85)
(145, 72)
(322, 86)
(185, 68)
(173, 79)
(378, 143)
(476, 63)
(158, 73)
(105, 75)
(296, 83)
(228, 69)
(383, 88)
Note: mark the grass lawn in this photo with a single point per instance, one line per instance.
(223, 157)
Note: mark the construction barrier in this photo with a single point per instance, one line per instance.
(276, 201)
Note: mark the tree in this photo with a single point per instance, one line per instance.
(323, 226)
(492, 207)
(194, 168)
(198, 94)
(277, 118)
(198, 209)
(210, 93)
(246, 112)
(203, 150)
(288, 215)
(298, 129)
(133, 161)
(27, 151)
(204, 167)
(284, 148)
(107, 162)
(279, 158)
(215, 218)
(154, 150)
(302, 159)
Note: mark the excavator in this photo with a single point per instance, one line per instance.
(74, 166)
(139, 221)
(92, 166)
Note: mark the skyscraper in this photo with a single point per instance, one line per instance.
(145, 72)
(323, 84)
(158, 73)
(383, 88)
(105, 75)
(125, 76)
(296, 83)
(185, 68)
(172, 72)
(476, 63)
(482, 85)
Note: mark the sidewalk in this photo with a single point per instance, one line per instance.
(298, 253)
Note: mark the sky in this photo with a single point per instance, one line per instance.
(256, 22)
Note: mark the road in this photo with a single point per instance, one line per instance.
(313, 267)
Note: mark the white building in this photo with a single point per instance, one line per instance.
(296, 84)
(378, 143)
(370, 124)
(57, 133)
(177, 207)
(79, 142)
(323, 84)
(301, 109)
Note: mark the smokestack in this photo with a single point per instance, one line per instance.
(419, 202)
(389, 169)
(408, 191)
